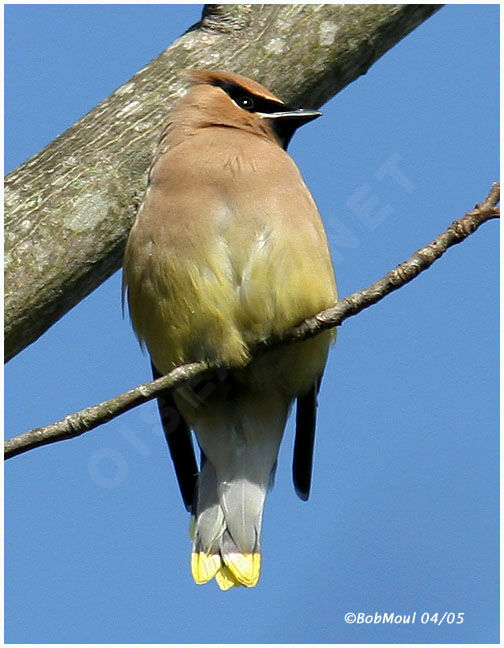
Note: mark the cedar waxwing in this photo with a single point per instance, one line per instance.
(227, 249)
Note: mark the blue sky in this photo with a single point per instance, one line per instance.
(403, 514)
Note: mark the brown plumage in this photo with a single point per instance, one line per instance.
(228, 248)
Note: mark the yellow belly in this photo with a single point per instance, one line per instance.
(207, 280)
(187, 309)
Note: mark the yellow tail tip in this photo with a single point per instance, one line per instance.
(244, 567)
(225, 579)
(230, 570)
(204, 566)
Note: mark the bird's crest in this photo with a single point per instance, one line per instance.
(218, 77)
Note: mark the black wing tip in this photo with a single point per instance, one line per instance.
(188, 507)
(188, 490)
(302, 493)
(302, 463)
(180, 446)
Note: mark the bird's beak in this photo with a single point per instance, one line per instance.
(299, 116)
(285, 122)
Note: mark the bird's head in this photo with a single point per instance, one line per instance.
(223, 99)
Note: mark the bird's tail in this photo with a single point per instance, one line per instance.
(240, 453)
(227, 528)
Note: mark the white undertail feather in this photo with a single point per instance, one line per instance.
(240, 440)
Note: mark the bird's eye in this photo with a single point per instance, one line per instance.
(246, 102)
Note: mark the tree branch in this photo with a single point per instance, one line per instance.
(69, 208)
(87, 419)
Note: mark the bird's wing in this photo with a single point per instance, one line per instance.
(178, 437)
(306, 419)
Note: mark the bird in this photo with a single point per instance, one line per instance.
(228, 249)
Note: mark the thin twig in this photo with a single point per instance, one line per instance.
(80, 422)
